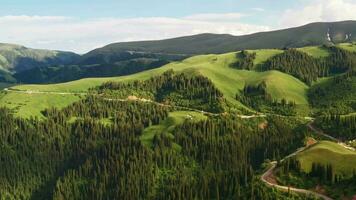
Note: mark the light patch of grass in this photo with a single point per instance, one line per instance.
(343, 160)
(348, 46)
(27, 105)
(167, 126)
(316, 51)
(264, 54)
(104, 121)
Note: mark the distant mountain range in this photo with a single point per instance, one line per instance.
(16, 58)
(40, 66)
(311, 34)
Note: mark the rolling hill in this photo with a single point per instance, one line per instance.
(16, 58)
(214, 66)
(326, 152)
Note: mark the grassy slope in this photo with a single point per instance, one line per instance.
(326, 152)
(216, 67)
(348, 46)
(174, 119)
(27, 105)
(315, 51)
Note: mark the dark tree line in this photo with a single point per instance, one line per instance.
(335, 96)
(339, 126)
(257, 97)
(298, 64)
(245, 60)
(308, 68)
(324, 173)
(194, 91)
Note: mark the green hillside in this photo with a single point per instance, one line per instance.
(27, 105)
(348, 46)
(335, 95)
(215, 67)
(331, 153)
(316, 51)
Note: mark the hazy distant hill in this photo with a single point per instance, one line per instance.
(43, 66)
(311, 34)
(16, 58)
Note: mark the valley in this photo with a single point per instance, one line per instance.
(222, 117)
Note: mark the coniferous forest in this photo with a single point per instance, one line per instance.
(205, 117)
(92, 148)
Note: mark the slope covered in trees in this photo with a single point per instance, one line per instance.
(308, 68)
(82, 158)
(336, 95)
(174, 89)
(259, 99)
(339, 126)
(322, 167)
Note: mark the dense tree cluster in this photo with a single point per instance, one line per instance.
(257, 97)
(245, 60)
(325, 173)
(339, 126)
(298, 64)
(194, 91)
(308, 68)
(335, 96)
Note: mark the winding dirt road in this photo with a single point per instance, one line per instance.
(268, 176)
(128, 99)
(268, 179)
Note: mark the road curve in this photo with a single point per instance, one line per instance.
(266, 177)
(266, 180)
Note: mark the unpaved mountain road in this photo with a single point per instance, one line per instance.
(42, 92)
(312, 127)
(268, 176)
(128, 99)
(268, 179)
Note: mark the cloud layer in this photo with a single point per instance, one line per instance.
(63, 33)
(82, 35)
(319, 11)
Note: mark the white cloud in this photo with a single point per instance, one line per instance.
(258, 9)
(319, 11)
(216, 17)
(63, 33)
(26, 18)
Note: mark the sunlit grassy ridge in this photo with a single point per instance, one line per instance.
(343, 160)
(215, 67)
(315, 51)
(348, 46)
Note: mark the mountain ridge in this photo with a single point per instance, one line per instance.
(16, 58)
(308, 34)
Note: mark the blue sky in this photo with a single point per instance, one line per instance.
(81, 25)
(136, 8)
